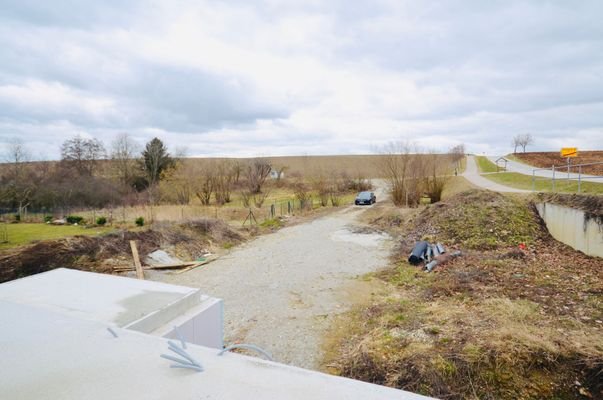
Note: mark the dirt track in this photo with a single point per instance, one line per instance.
(283, 290)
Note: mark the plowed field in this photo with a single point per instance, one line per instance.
(547, 159)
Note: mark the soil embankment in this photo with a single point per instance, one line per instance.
(547, 159)
(102, 253)
(517, 316)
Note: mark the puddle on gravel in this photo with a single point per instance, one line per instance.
(359, 237)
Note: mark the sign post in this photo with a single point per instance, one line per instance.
(568, 153)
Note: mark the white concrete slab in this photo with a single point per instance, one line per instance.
(144, 306)
(54, 355)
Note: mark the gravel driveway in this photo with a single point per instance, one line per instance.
(282, 291)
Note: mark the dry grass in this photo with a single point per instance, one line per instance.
(188, 241)
(500, 323)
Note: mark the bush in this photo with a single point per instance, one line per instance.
(101, 221)
(74, 219)
(17, 217)
(48, 218)
(139, 221)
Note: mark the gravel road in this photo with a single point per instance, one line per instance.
(283, 290)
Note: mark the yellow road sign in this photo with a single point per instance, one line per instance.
(569, 152)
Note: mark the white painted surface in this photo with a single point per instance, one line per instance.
(50, 355)
(144, 306)
(571, 227)
(202, 325)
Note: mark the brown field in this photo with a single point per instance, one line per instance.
(549, 158)
(365, 166)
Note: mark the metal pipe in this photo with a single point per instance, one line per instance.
(428, 253)
(184, 354)
(248, 347)
(176, 359)
(435, 250)
(441, 248)
(418, 253)
(432, 265)
(193, 367)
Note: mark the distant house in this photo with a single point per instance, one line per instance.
(274, 174)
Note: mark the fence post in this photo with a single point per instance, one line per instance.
(553, 177)
(579, 177)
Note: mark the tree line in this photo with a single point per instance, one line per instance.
(90, 176)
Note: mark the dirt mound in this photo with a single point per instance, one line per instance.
(547, 159)
(504, 322)
(87, 253)
(478, 219)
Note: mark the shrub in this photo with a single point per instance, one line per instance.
(17, 217)
(139, 221)
(74, 219)
(101, 221)
(48, 218)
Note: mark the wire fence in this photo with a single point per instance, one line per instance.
(566, 177)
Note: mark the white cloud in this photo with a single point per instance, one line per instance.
(308, 77)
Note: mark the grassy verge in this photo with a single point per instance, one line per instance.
(499, 322)
(455, 185)
(19, 234)
(520, 181)
(485, 165)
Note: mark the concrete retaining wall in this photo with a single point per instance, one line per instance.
(573, 228)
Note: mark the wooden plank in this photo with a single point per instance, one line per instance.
(196, 265)
(161, 266)
(172, 266)
(139, 271)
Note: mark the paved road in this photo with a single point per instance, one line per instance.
(515, 166)
(472, 175)
(283, 291)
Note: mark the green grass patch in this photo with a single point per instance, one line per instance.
(273, 223)
(485, 165)
(520, 181)
(20, 234)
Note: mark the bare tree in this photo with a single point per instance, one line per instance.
(18, 187)
(83, 154)
(457, 153)
(123, 155)
(406, 171)
(516, 142)
(525, 140)
(257, 172)
(205, 182)
(225, 173)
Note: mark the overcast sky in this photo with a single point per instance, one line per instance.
(249, 78)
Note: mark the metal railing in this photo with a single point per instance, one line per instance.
(565, 169)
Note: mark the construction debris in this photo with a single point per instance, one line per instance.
(160, 257)
(183, 266)
(137, 264)
(431, 255)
